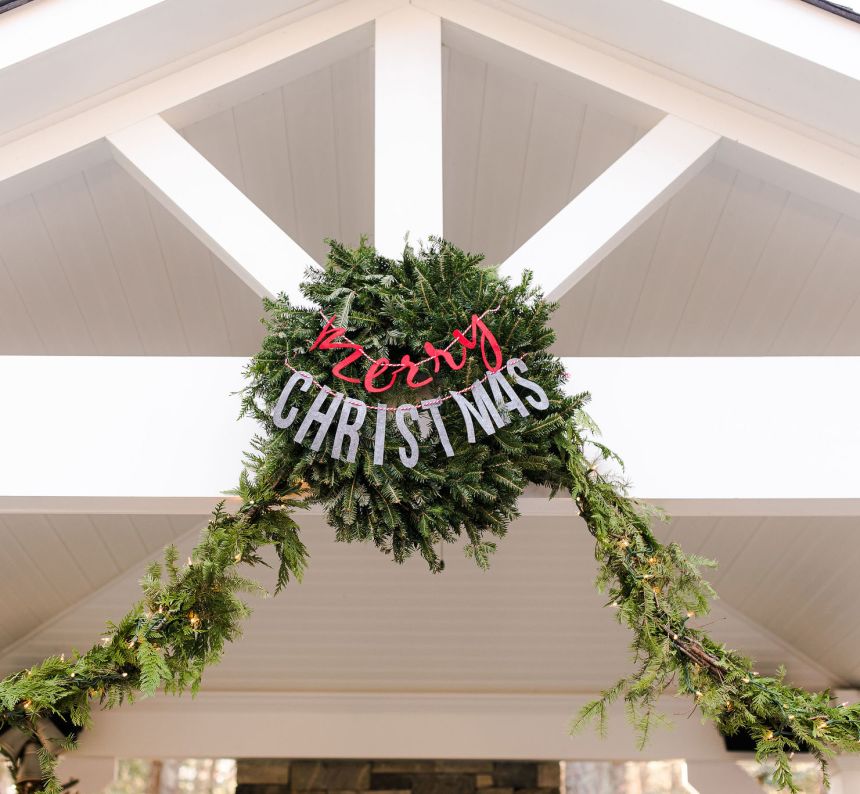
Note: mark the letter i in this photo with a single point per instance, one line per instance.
(379, 438)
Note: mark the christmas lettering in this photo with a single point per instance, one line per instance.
(488, 404)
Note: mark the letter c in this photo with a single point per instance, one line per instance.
(278, 417)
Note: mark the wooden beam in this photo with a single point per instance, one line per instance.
(314, 40)
(804, 147)
(704, 436)
(408, 124)
(212, 208)
(383, 725)
(718, 777)
(612, 207)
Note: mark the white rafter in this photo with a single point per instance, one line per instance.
(612, 207)
(742, 122)
(155, 434)
(262, 254)
(315, 41)
(408, 128)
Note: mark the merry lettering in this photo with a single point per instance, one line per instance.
(382, 374)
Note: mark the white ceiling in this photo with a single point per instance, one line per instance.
(534, 623)
(734, 265)
(50, 563)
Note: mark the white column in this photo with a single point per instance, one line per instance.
(93, 773)
(719, 777)
(408, 128)
(211, 207)
(612, 207)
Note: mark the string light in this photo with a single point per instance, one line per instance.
(652, 560)
(769, 735)
(690, 613)
(193, 619)
(623, 543)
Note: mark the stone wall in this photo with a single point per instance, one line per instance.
(277, 776)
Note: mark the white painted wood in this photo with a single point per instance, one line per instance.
(735, 266)
(407, 129)
(706, 409)
(33, 31)
(212, 208)
(719, 777)
(295, 47)
(687, 99)
(377, 725)
(613, 206)
(94, 773)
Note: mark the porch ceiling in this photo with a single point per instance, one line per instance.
(532, 624)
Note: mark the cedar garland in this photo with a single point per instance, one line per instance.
(189, 612)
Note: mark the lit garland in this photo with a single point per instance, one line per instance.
(188, 613)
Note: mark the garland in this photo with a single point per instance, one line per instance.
(188, 612)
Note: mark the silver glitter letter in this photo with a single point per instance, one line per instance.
(278, 414)
(324, 418)
(346, 428)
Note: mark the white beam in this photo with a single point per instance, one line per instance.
(774, 135)
(612, 207)
(718, 777)
(33, 31)
(211, 207)
(408, 128)
(94, 773)
(702, 435)
(156, 93)
(382, 725)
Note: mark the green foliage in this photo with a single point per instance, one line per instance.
(189, 612)
(391, 308)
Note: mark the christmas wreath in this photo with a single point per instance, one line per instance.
(414, 402)
(422, 392)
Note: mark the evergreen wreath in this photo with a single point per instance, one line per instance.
(188, 612)
(386, 305)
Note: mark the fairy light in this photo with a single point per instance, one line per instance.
(194, 619)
